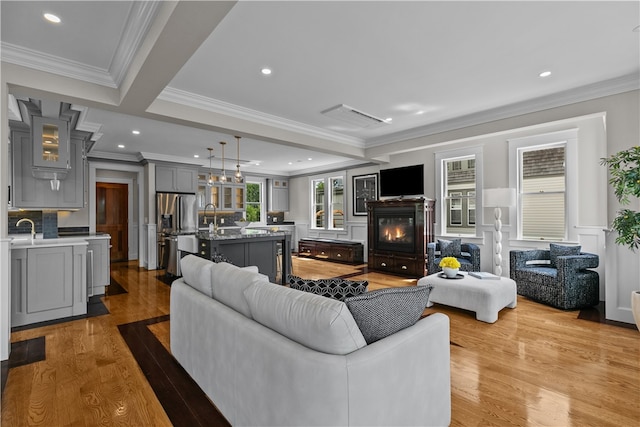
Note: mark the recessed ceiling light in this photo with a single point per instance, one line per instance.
(52, 18)
(120, 145)
(545, 74)
(388, 119)
(135, 132)
(266, 71)
(196, 155)
(420, 112)
(309, 158)
(290, 163)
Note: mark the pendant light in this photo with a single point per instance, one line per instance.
(210, 179)
(238, 176)
(223, 177)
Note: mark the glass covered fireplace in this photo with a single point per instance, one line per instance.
(395, 229)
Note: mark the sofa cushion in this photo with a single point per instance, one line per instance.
(450, 248)
(322, 324)
(228, 283)
(561, 250)
(386, 311)
(335, 288)
(196, 273)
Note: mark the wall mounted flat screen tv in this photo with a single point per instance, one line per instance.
(405, 181)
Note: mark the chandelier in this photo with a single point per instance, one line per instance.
(223, 176)
(238, 175)
(210, 179)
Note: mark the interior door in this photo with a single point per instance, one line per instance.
(112, 216)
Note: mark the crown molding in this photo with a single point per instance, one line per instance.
(209, 104)
(29, 58)
(83, 125)
(584, 93)
(155, 157)
(121, 157)
(140, 19)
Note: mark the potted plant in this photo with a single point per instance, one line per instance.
(450, 266)
(624, 168)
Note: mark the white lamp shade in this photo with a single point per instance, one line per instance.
(499, 197)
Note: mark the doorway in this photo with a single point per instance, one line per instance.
(112, 217)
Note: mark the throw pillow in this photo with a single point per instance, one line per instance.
(381, 313)
(335, 288)
(450, 248)
(561, 250)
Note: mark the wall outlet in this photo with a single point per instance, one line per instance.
(221, 220)
(275, 219)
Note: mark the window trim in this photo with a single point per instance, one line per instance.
(570, 138)
(440, 226)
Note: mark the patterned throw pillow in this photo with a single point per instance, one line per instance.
(335, 288)
(450, 248)
(386, 311)
(561, 250)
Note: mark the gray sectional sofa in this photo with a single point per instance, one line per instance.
(269, 355)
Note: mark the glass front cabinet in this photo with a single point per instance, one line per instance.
(226, 197)
(50, 143)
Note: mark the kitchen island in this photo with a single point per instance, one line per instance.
(269, 250)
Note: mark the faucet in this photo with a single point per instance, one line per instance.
(215, 217)
(33, 227)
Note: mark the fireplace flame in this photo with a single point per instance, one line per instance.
(392, 234)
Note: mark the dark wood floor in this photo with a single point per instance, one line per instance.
(535, 366)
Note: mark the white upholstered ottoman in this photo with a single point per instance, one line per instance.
(484, 296)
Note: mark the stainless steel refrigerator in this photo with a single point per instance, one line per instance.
(176, 214)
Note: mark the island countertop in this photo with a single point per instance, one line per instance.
(235, 233)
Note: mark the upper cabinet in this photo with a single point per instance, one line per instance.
(35, 187)
(227, 196)
(176, 179)
(50, 144)
(278, 195)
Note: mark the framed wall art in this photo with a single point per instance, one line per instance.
(365, 188)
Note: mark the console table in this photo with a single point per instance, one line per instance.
(332, 250)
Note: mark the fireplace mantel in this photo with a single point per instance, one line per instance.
(398, 233)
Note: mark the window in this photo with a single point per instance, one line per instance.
(327, 207)
(254, 202)
(459, 188)
(543, 170)
(542, 192)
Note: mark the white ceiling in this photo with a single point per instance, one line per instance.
(187, 74)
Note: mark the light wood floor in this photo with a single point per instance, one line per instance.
(536, 366)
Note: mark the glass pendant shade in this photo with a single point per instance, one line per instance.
(223, 175)
(238, 175)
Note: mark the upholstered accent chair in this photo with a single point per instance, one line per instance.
(467, 253)
(559, 277)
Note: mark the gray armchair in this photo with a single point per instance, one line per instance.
(469, 257)
(562, 281)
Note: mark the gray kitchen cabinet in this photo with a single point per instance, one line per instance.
(98, 265)
(176, 179)
(31, 192)
(47, 283)
(278, 195)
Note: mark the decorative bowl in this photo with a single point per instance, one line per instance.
(242, 224)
